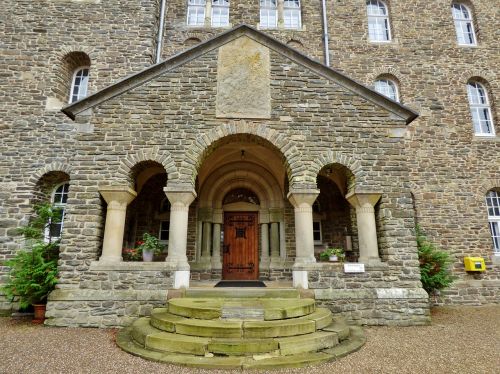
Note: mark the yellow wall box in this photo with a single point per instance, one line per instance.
(474, 264)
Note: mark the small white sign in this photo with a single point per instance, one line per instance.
(354, 268)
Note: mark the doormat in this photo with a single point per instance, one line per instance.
(237, 283)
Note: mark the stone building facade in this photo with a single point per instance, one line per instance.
(243, 118)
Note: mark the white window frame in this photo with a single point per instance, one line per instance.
(386, 90)
(480, 103)
(266, 10)
(380, 20)
(292, 9)
(62, 206)
(167, 223)
(196, 6)
(82, 88)
(464, 25)
(493, 206)
(223, 5)
(320, 241)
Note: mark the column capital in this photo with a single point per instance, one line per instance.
(218, 216)
(179, 197)
(362, 199)
(121, 194)
(306, 197)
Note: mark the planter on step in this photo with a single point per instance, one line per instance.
(333, 259)
(39, 310)
(147, 256)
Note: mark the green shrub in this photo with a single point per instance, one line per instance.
(435, 264)
(33, 271)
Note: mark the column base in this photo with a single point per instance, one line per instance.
(305, 260)
(177, 263)
(300, 279)
(369, 260)
(110, 259)
(216, 264)
(181, 279)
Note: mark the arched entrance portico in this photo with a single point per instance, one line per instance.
(241, 230)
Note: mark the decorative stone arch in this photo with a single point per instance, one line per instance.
(154, 154)
(203, 146)
(485, 187)
(486, 76)
(57, 166)
(196, 35)
(335, 157)
(253, 177)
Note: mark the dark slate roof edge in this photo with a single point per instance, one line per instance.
(137, 79)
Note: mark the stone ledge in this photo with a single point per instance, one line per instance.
(111, 295)
(131, 266)
(318, 266)
(376, 293)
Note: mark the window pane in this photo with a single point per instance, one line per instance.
(480, 109)
(495, 235)
(79, 85)
(463, 24)
(387, 88)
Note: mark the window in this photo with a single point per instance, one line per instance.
(164, 231)
(79, 84)
(59, 199)
(387, 88)
(196, 13)
(493, 204)
(463, 24)
(317, 232)
(220, 13)
(480, 109)
(291, 14)
(268, 14)
(378, 21)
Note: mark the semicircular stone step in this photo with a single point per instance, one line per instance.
(246, 308)
(163, 320)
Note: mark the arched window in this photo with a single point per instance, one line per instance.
(291, 14)
(480, 109)
(378, 21)
(220, 13)
(493, 204)
(268, 14)
(462, 17)
(59, 199)
(196, 12)
(79, 84)
(387, 88)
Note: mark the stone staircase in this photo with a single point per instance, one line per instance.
(241, 328)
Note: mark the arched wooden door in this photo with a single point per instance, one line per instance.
(240, 250)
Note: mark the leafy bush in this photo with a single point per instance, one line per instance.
(435, 264)
(150, 243)
(325, 255)
(33, 271)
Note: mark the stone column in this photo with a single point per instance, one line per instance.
(302, 200)
(264, 244)
(177, 243)
(275, 241)
(281, 9)
(117, 197)
(217, 219)
(206, 243)
(364, 203)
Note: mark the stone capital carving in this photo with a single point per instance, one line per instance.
(117, 196)
(179, 198)
(218, 216)
(303, 198)
(363, 200)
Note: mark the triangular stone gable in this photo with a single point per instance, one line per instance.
(219, 42)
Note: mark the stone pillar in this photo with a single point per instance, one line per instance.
(275, 241)
(206, 243)
(302, 200)
(117, 198)
(281, 8)
(216, 261)
(177, 243)
(264, 244)
(364, 203)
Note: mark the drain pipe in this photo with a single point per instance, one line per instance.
(325, 34)
(159, 40)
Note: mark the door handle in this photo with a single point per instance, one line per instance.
(226, 248)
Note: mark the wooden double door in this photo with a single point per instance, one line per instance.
(240, 249)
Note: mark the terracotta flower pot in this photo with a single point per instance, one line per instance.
(39, 313)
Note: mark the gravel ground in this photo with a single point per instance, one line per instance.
(460, 340)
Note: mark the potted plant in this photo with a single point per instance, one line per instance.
(131, 254)
(332, 254)
(149, 246)
(33, 271)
